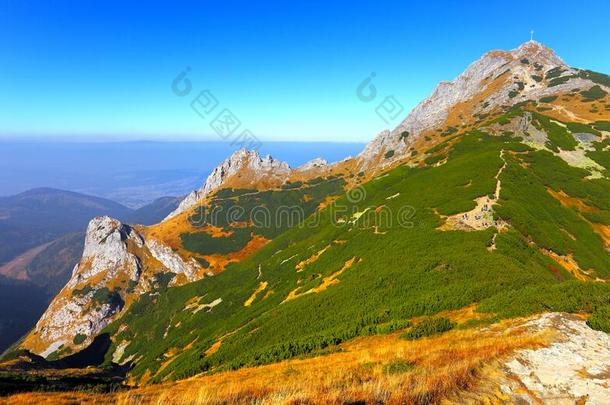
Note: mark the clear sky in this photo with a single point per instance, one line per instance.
(288, 70)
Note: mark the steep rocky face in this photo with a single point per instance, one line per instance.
(106, 251)
(247, 169)
(497, 80)
(117, 265)
(243, 168)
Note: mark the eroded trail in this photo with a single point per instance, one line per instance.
(482, 215)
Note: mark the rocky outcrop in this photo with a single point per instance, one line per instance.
(314, 164)
(574, 368)
(173, 261)
(117, 265)
(106, 250)
(247, 169)
(248, 165)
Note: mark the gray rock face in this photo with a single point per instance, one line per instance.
(530, 59)
(239, 160)
(314, 164)
(172, 261)
(106, 251)
(257, 168)
(80, 308)
(111, 270)
(573, 368)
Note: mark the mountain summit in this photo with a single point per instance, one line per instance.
(243, 169)
(499, 79)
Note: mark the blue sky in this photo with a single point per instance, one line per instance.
(288, 70)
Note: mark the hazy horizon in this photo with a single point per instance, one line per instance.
(134, 173)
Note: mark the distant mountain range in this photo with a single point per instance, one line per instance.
(42, 215)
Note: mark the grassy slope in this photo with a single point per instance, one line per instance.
(375, 369)
(404, 272)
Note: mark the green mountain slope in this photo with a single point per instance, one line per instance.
(386, 252)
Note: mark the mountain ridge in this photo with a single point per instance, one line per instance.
(529, 63)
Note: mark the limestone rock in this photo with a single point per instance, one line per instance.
(251, 167)
(117, 265)
(497, 79)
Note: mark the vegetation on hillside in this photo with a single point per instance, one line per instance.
(380, 369)
(361, 265)
(245, 213)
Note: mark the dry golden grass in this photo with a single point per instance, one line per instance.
(572, 108)
(326, 281)
(261, 287)
(312, 259)
(604, 232)
(571, 202)
(168, 232)
(569, 264)
(371, 369)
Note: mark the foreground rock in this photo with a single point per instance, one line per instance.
(574, 368)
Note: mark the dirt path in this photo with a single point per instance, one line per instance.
(481, 216)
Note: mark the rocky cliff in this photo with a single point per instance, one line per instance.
(243, 168)
(117, 265)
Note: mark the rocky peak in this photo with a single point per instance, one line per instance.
(536, 52)
(498, 78)
(106, 250)
(117, 265)
(244, 160)
(314, 164)
(248, 165)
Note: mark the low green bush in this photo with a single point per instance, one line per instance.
(555, 72)
(434, 159)
(78, 339)
(577, 127)
(600, 319)
(428, 327)
(398, 366)
(602, 125)
(594, 93)
(548, 99)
